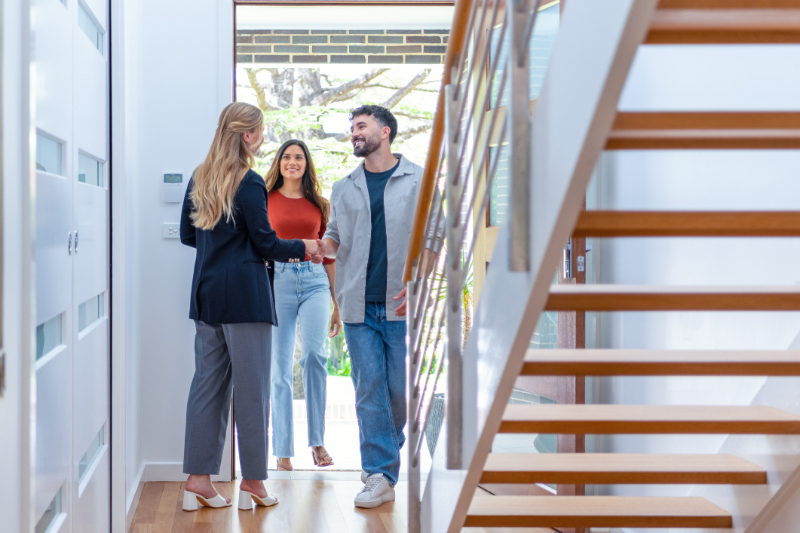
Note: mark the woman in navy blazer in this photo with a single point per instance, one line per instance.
(225, 218)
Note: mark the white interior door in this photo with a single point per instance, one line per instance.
(71, 252)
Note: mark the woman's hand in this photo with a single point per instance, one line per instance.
(315, 249)
(336, 323)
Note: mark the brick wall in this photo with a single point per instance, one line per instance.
(400, 47)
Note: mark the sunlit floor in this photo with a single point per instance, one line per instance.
(312, 500)
(305, 506)
(341, 441)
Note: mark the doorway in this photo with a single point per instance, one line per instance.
(306, 67)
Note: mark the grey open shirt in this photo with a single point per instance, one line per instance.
(350, 226)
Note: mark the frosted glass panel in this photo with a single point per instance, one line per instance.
(91, 452)
(90, 170)
(546, 334)
(50, 514)
(48, 336)
(541, 45)
(86, 22)
(48, 155)
(91, 311)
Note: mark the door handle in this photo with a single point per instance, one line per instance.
(76, 242)
(69, 243)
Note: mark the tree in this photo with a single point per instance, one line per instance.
(296, 102)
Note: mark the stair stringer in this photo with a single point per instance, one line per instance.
(589, 65)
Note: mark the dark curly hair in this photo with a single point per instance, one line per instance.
(381, 114)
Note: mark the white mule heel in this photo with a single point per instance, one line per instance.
(247, 499)
(192, 500)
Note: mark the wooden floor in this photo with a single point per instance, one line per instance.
(306, 506)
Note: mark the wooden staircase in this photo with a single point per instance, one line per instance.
(674, 22)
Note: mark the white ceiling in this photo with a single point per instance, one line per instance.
(343, 17)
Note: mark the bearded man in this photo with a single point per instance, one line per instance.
(369, 227)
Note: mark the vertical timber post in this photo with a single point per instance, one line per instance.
(519, 126)
(454, 309)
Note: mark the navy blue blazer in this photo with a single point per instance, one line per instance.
(231, 282)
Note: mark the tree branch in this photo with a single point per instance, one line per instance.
(336, 93)
(410, 86)
(402, 136)
(379, 86)
(409, 115)
(260, 95)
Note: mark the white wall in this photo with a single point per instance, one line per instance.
(184, 80)
(704, 78)
(15, 458)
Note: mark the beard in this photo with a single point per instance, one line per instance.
(371, 144)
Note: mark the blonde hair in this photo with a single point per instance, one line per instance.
(217, 179)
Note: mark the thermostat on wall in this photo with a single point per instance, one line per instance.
(173, 188)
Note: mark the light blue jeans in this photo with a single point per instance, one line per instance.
(378, 357)
(302, 295)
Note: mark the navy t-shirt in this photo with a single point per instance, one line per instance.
(376, 266)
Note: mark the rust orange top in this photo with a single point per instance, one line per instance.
(296, 218)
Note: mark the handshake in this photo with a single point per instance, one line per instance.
(316, 249)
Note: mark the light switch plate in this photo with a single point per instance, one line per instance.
(171, 230)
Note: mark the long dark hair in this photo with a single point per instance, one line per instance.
(310, 184)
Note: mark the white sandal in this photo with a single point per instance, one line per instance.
(246, 500)
(192, 499)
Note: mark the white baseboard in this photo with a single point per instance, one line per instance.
(133, 500)
(171, 472)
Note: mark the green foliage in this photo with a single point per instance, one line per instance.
(338, 356)
(334, 158)
(343, 371)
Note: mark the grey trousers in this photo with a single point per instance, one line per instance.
(229, 356)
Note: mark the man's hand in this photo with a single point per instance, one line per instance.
(331, 247)
(401, 309)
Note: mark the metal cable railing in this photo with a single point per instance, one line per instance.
(487, 37)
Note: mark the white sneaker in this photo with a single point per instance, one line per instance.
(375, 492)
(364, 476)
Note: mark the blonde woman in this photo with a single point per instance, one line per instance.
(225, 217)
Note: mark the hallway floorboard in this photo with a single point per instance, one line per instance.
(306, 506)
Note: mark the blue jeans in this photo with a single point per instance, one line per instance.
(302, 295)
(378, 357)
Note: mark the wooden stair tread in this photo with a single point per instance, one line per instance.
(594, 511)
(613, 468)
(725, 26)
(648, 419)
(705, 130)
(598, 223)
(728, 4)
(606, 297)
(608, 362)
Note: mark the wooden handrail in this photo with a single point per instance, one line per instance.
(429, 178)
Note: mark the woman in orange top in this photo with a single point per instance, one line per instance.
(303, 295)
